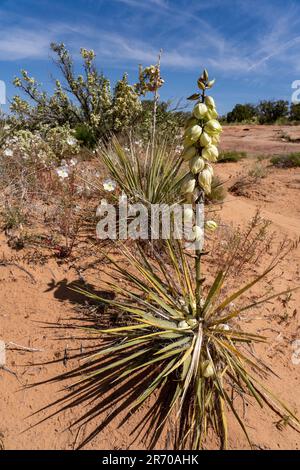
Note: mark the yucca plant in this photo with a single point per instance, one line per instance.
(148, 176)
(176, 340)
(189, 357)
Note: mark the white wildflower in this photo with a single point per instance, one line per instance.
(109, 185)
(8, 153)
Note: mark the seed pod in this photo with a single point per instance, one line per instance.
(213, 127)
(200, 110)
(205, 139)
(211, 225)
(193, 133)
(210, 102)
(210, 153)
(188, 184)
(205, 180)
(189, 153)
(205, 75)
(197, 164)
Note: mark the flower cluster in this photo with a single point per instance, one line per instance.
(201, 137)
(149, 79)
(43, 148)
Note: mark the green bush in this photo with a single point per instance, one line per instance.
(291, 160)
(231, 156)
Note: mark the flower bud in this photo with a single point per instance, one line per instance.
(210, 153)
(205, 139)
(210, 84)
(211, 225)
(183, 324)
(210, 102)
(207, 369)
(188, 184)
(200, 110)
(205, 180)
(193, 133)
(189, 153)
(197, 164)
(201, 85)
(213, 127)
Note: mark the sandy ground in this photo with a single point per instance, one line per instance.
(35, 296)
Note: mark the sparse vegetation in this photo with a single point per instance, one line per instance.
(291, 160)
(231, 156)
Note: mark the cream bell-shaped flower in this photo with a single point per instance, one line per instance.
(200, 110)
(211, 225)
(188, 184)
(212, 127)
(197, 164)
(197, 233)
(210, 102)
(205, 139)
(188, 214)
(205, 180)
(193, 133)
(210, 153)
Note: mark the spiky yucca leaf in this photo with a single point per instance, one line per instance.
(150, 176)
(189, 358)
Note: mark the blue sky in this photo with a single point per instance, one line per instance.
(252, 47)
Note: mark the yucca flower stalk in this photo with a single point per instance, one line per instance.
(200, 139)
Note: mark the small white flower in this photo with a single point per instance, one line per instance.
(62, 172)
(8, 153)
(109, 185)
(73, 162)
(179, 149)
(71, 141)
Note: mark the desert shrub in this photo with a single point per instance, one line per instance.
(258, 171)
(242, 113)
(231, 156)
(291, 160)
(295, 112)
(88, 102)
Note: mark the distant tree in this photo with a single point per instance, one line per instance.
(241, 112)
(295, 112)
(270, 111)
